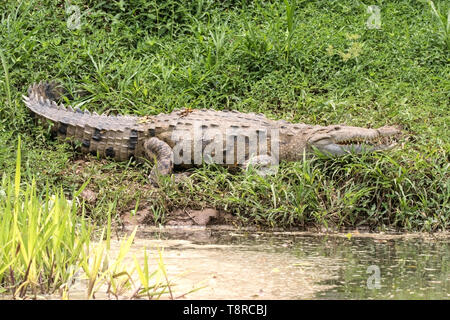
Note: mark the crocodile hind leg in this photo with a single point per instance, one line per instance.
(161, 153)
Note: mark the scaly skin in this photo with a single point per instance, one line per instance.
(230, 138)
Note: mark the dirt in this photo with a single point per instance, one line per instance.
(89, 195)
(180, 217)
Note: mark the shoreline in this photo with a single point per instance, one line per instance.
(309, 232)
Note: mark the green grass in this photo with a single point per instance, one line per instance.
(305, 61)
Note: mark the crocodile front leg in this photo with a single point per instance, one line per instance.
(161, 153)
(264, 165)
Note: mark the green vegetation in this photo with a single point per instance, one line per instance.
(315, 62)
(443, 19)
(45, 247)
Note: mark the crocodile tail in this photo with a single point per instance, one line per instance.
(48, 90)
(41, 101)
(101, 134)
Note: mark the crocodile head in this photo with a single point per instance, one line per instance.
(340, 140)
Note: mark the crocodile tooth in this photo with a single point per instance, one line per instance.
(87, 112)
(69, 108)
(95, 114)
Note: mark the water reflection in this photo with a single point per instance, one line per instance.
(256, 265)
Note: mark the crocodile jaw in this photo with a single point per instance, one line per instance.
(341, 140)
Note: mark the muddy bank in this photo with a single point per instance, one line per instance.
(181, 217)
(218, 220)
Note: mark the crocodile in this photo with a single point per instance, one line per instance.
(189, 137)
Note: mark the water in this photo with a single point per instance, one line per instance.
(230, 264)
(261, 265)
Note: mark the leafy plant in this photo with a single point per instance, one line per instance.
(291, 23)
(44, 245)
(443, 21)
(6, 71)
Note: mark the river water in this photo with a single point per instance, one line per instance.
(224, 263)
(230, 264)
